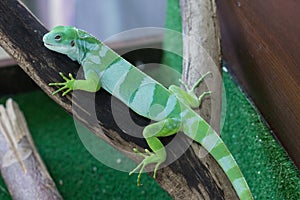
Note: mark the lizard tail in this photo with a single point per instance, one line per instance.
(217, 148)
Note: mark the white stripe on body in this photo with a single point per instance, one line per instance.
(104, 49)
(240, 185)
(95, 59)
(171, 103)
(143, 97)
(191, 125)
(227, 163)
(114, 75)
(211, 140)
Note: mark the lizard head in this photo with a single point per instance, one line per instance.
(61, 39)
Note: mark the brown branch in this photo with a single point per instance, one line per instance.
(186, 178)
(201, 52)
(21, 167)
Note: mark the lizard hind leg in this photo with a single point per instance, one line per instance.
(188, 96)
(158, 155)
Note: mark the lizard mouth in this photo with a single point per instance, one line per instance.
(47, 44)
(50, 46)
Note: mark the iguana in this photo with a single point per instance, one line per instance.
(171, 108)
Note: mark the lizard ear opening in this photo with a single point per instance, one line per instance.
(72, 43)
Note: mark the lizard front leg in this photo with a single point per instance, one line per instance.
(90, 84)
(158, 155)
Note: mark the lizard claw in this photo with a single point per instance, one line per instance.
(60, 89)
(71, 76)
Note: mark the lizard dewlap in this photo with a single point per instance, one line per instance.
(103, 68)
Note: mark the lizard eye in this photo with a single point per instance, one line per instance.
(57, 37)
(72, 43)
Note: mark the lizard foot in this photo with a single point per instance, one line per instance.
(68, 85)
(190, 96)
(149, 157)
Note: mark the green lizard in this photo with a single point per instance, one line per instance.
(170, 108)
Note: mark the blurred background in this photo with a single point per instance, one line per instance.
(102, 18)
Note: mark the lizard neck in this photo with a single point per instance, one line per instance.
(74, 54)
(82, 51)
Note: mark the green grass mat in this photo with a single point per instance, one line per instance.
(266, 166)
(79, 175)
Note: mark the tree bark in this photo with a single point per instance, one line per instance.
(202, 53)
(21, 166)
(186, 178)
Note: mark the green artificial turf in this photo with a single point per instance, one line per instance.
(172, 37)
(265, 165)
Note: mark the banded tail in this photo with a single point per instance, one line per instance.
(217, 148)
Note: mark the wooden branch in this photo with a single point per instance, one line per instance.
(202, 53)
(186, 178)
(21, 166)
